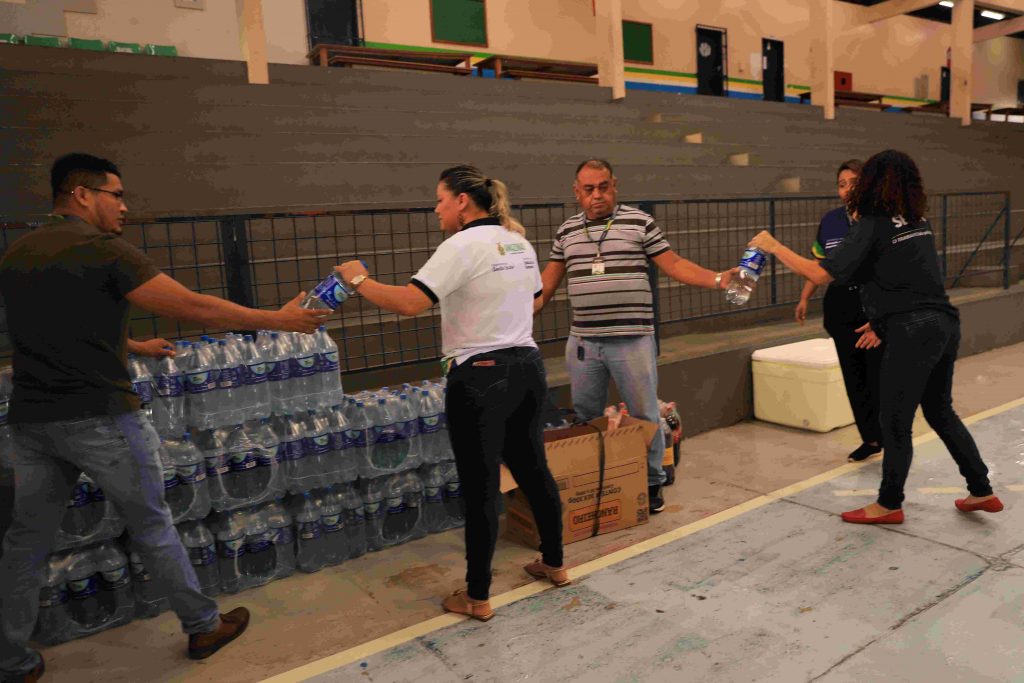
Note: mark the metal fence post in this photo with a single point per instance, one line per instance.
(652, 279)
(237, 276)
(945, 234)
(771, 229)
(1006, 241)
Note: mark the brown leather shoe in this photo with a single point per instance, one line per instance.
(460, 603)
(232, 625)
(30, 677)
(556, 575)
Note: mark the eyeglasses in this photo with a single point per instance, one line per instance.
(116, 194)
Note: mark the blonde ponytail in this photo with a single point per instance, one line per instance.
(500, 207)
(488, 194)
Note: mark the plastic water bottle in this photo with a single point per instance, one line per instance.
(185, 485)
(210, 443)
(360, 435)
(229, 531)
(373, 511)
(115, 583)
(454, 503)
(333, 521)
(290, 453)
(355, 521)
(169, 401)
(743, 283)
(435, 515)
(390, 450)
(242, 454)
(259, 564)
(53, 625)
(316, 443)
(83, 589)
(277, 359)
(328, 368)
(343, 467)
(230, 389)
(201, 384)
(82, 516)
(267, 477)
(150, 599)
(202, 553)
(255, 388)
(310, 553)
(280, 523)
(142, 382)
(329, 294)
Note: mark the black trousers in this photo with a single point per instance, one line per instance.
(917, 369)
(861, 371)
(494, 402)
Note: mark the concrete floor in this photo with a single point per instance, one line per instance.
(784, 592)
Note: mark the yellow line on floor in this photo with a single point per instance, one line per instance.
(856, 492)
(368, 649)
(941, 489)
(1014, 487)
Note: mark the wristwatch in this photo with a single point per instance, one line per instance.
(356, 281)
(718, 280)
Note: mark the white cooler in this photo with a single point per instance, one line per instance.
(801, 385)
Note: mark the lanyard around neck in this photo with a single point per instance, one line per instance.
(604, 232)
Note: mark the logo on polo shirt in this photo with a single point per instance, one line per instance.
(513, 248)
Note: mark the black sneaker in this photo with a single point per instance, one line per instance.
(30, 677)
(656, 502)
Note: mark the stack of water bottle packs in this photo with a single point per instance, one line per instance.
(268, 468)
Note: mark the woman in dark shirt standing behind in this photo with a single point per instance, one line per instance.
(891, 251)
(844, 316)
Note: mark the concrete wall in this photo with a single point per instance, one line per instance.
(210, 32)
(998, 65)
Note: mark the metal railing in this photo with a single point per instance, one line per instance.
(262, 261)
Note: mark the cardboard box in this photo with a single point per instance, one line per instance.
(573, 457)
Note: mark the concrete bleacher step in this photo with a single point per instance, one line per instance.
(42, 60)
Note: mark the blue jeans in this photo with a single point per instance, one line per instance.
(119, 453)
(632, 362)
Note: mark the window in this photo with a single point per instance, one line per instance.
(637, 42)
(459, 21)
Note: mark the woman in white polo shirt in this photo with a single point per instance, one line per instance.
(486, 277)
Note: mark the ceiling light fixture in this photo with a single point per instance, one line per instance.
(989, 14)
(946, 3)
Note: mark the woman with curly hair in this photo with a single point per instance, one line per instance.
(891, 251)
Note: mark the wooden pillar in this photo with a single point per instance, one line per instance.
(822, 28)
(611, 66)
(253, 39)
(961, 64)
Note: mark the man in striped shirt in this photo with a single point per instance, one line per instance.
(605, 249)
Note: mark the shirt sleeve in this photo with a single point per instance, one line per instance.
(128, 267)
(818, 249)
(654, 241)
(854, 250)
(557, 249)
(447, 269)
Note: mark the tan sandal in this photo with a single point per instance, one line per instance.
(460, 603)
(556, 575)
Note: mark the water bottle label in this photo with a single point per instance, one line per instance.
(215, 467)
(309, 531)
(169, 386)
(200, 382)
(284, 536)
(278, 371)
(254, 374)
(339, 441)
(82, 588)
(317, 445)
(232, 548)
(4, 407)
(356, 515)
(356, 437)
(52, 596)
(430, 424)
(331, 523)
(408, 429)
(144, 390)
(327, 362)
(240, 462)
(753, 260)
(373, 511)
(388, 433)
(117, 578)
(259, 544)
(80, 495)
(98, 496)
(230, 378)
(267, 457)
(432, 494)
(202, 556)
(191, 474)
(290, 450)
(304, 366)
(396, 505)
(170, 478)
(453, 490)
(330, 292)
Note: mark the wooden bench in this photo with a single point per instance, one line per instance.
(351, 55)
(1009, 111)
(943, 108)
(851, 98)
(505, 66)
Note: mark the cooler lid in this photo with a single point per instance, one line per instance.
(812, 353)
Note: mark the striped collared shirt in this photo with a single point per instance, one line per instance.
(619, 302)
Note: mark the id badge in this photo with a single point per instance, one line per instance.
(597, 267)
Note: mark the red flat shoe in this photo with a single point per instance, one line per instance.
(990, 505)
(858, 517)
